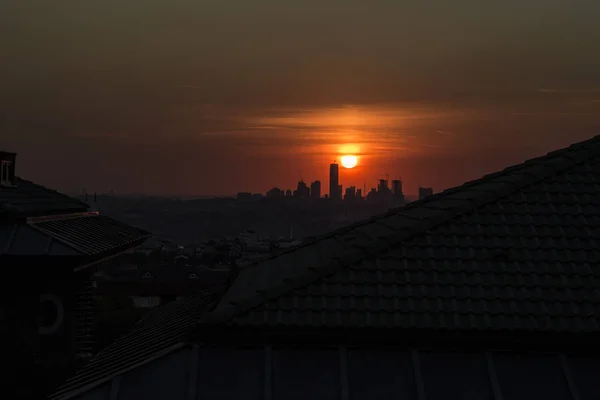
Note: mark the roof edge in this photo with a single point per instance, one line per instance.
(69, 395)
(60, 217)
(511, 180)
(73, 199)
(80, 383)
(32, 222)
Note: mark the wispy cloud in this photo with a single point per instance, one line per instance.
(349, 117)
(444, 132)
(98, 135)
(561, 91)
(190, 87)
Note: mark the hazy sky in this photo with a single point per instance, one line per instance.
(214, 97)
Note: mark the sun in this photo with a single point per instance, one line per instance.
(349, 161)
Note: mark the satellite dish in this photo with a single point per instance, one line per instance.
(52, 314)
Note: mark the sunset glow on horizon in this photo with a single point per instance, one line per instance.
(237, 96)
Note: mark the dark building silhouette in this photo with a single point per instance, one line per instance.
(315, 189)
(275, 192)
(350, 193)
(7, 168)
(397, 186)
(425, 192)
(372, 195)
(383, 185)
(288, 193)
(334, 182)
(302, 190)
(359, 193)
(48, 244)
(397, 190)
(384, 195)
(383, 191)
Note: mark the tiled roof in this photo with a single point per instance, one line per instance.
(161, 332)
(92, 234)
(28, 199)
(86, 234)
(515, 250)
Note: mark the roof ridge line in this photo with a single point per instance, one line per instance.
(528, 173)
(37, 185)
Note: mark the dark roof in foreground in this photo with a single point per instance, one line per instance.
(515, 250)
(83, 234)
(194, 372)
(26, 199)
(160, 332)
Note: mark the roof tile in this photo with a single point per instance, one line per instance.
(90, 234)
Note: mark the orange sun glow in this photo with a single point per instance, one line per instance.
(349, 161)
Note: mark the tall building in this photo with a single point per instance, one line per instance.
(350, 193)
(334, 182)
(302, 190)
(315, 189)
(425, 192)
(383, 185)
(397, 189)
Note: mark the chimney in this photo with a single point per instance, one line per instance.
(7, 168)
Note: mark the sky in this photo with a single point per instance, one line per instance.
(215, 97)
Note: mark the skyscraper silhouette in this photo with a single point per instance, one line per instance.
(334, 178)
(315, 189)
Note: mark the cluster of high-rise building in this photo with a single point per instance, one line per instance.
(303, 191)
(383, 191)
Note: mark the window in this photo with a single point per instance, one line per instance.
(147, 275)
(193, 276)
(5, 173)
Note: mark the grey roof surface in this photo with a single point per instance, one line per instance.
(515, 250)
(194, 372)
(28, 199)
(160, 332)
(86, 234)
(23, 239)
